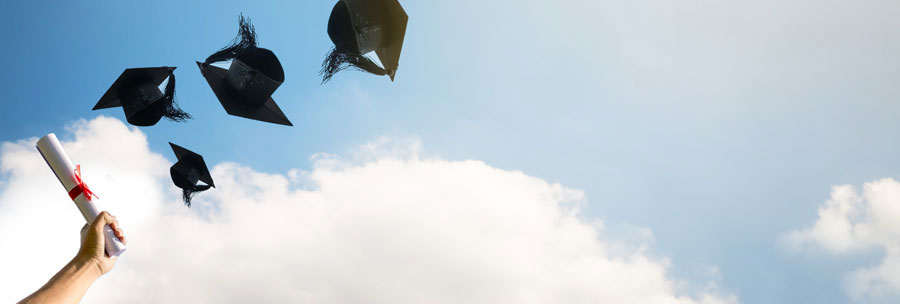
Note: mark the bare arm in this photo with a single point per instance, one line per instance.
(71, 283)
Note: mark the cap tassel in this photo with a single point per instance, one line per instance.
(188, 193)
(172, 111)
(340, 59)
(244, 41)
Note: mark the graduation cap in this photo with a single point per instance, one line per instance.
(137, 92)
(189, 169)
(245, 89)
(358, 27)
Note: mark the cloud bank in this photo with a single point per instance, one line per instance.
(384, 226)
(851, 222)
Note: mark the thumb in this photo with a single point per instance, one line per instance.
(84, 230)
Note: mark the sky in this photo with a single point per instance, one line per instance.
(742, 148)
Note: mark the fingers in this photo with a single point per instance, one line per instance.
(121, 235)
(103, 219)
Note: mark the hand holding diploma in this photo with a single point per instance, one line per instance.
(70, 177)
(71, 283)
(93, 242)
(101, 239)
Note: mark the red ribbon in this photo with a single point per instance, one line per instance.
(80, 187)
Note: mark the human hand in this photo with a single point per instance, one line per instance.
(93, 243)
(71, 282)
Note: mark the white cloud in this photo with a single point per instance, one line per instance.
(390, 227)
(852, 222)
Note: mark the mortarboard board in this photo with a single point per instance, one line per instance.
(137, 92)
(357, 27)
(187, 171)
(245, 89)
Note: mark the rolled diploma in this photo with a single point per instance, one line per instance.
(59, 162)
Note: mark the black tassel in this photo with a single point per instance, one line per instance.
(172, 111)
(188, 193)
(245, 40)
(340, 59)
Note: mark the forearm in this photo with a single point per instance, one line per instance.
(69, 285)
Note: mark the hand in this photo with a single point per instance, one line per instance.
(93, 243)
(71, 282)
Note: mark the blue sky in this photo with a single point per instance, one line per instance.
(719, 125)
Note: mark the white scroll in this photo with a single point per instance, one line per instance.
(59, 162)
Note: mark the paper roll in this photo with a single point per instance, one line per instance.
(62, 167)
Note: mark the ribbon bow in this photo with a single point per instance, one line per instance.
(81, 187)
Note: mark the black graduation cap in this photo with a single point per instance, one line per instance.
(189, 169)
(358, 27)
(137, 92)
(245, 89)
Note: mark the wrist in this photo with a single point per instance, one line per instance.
(87, 265)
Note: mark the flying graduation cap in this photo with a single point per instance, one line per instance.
(190, 169)
(358, 27)
(137, 92)
(245, 89)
